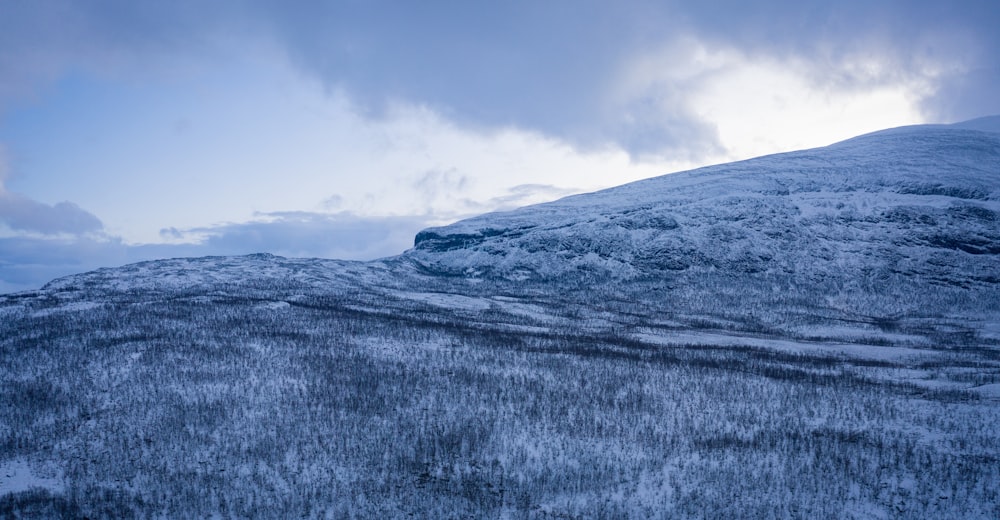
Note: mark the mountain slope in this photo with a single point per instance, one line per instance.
(914, 195)
(884, 227)
(813, 334)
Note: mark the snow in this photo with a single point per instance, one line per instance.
(859, 258)
(991, 391)
(446, 300)
(275, 306)
(847, 204)
(990, 330)
(826, 227)
(67, 307)
(845, 350)
(856, 335)
(180, 273)
(17, 476)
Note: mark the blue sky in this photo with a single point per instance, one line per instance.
(132, 130)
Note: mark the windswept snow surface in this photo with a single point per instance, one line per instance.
(813, 334)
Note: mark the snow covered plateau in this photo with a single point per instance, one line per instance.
(813, 334)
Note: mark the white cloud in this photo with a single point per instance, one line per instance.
(758, 105)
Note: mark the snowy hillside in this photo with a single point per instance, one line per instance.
(896, 226)
(918, 202)
(813, 334)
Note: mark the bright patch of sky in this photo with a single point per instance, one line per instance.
(758, 106)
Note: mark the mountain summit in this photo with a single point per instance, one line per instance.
(808, 334)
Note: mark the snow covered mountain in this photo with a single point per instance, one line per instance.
(900, 225)
(815, 333)
(921, 201)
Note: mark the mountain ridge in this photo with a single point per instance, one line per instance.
(891, 237)
(645, 193)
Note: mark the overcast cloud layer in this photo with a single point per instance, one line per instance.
(132, 129)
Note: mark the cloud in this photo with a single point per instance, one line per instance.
(552, 67)
(859, 44)
(40, 42)
(280, 143)
(20, 213)
(760, 104)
